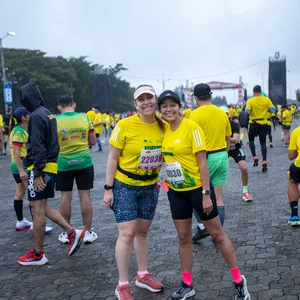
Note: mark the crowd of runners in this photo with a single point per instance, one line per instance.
(192, 147)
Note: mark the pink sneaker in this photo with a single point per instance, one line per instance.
(147, 282)
(247, 197)
(123, 292)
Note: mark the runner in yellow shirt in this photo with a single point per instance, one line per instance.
(294, 177)
(286, 121)
(132, 174)
(98, 126)
(258, 108)
(186, 112)
(184, 151)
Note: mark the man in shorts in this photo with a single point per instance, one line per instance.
(217, 130)
(75, 134)
(41, 161)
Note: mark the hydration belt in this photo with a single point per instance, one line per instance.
(138, 177)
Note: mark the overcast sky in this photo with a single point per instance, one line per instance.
(182, 39)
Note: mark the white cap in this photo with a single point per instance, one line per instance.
(144, 89)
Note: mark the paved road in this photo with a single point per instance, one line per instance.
(267, 249)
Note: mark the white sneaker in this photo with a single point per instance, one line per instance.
(90, 237)
(63, 237)
(48, 229)
(22, 225)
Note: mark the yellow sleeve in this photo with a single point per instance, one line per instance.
(270, 104)
(91, 127)
(248, 105)
(293, 141)
(18, 139)
(118, 136)
(228, 129)
(198, 139)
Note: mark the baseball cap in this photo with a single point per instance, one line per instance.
(168, 94)
(144, 89)
(257, 89)
(20, 112)
(202, 91)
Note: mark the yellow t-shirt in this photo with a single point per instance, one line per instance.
(140, 143)
(259, 107)
(1, 121)
(108, 121)
(215, 124)
(235, 112)
(295, 144)
(230, 112)
(91, 115)
(269, 115)
(98, 120)
(287, 117)
(186, 112)
(178, 149)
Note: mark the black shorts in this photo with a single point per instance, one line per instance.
(183, 203)
(237, 154)
(244, 126)
(47, 193)
(97, 135)
(256, 129)
(294, 173)
(286, 127)
(17, 178)
(5, 132)
(84, 179)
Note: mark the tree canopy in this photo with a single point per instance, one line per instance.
(57, 76)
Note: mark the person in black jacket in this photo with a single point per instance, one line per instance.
(42, 152)
(244, 123)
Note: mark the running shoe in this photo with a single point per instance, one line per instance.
(255, 161)
(200, 234)
(63, 238)
(294, 221)
(185, 291)
(31, 259)
(147, 282)
(271, 145)
(123, 292)
(264, 166)
(90, 237)
(22, 225)
(75, 240)
(48, 229)
(242, 290)
(247, 197)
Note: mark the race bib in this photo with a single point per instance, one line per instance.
(151, 159)
(174, 173)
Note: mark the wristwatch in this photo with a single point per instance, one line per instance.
(206, 192)
(108, 187)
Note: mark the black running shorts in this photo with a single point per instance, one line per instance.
(183, 203)
(294, 173)
(237, 154)
(286, 127)
(256, 129)
(17, 178)
(84, 179)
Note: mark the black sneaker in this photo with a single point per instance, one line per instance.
(185, 291)
(242, 290)
(200, 234)
(271, 145)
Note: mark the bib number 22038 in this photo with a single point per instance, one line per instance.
(151, 159)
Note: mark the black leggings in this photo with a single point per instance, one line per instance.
(260, 131)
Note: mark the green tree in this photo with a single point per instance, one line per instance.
(219, 100)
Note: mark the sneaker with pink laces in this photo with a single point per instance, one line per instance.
(123, 292)
(147, 282)
(247, 197)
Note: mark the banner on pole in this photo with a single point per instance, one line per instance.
(8, 99)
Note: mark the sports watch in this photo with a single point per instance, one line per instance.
(206, 192)
(108, 187)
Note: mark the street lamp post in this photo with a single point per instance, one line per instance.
(4, 79)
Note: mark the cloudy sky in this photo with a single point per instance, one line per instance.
(195, 40)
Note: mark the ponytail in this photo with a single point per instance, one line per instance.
(12, 122)
(160, 122)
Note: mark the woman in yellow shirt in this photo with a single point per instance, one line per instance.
(131, 191)
(184, 152)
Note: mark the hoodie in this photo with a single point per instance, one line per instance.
(42, 146)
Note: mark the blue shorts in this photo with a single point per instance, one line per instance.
(47, 193)
(133, 202)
